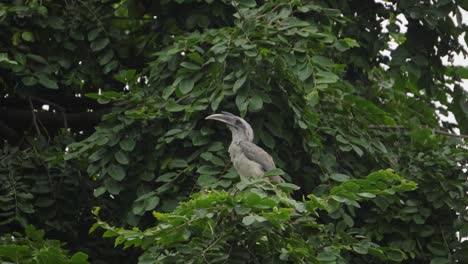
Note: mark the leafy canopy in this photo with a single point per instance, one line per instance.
(103, 105)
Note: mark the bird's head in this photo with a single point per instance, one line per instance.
(240, 129)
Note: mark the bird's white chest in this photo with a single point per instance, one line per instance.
(245, 167)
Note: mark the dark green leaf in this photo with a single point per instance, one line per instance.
(205, 180)
(288, 186)
(186, 85)
(274, 172)
(239, 82)
(305, 73)
(99, 44)
(247, 3)
(122, 157)
(339, 177)
(190, 66)
(116, 172)
(29, 80)
(127, 144)
(196, 58)
(47, 82)
(99, 191)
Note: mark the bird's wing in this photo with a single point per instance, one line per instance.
(260, 156)
(257, 154)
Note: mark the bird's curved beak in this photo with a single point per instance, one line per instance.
(227, 119)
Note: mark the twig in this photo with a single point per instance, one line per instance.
(45, 130)
(445, 241)
(34, 116)
(440, 132)
(62, 110)
(210, 246)
(134, 18)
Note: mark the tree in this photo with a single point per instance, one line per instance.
(103, 105)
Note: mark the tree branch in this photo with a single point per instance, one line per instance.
(34, 119)
(62, 110)
(440, 132)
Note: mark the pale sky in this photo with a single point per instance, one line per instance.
(459, 59)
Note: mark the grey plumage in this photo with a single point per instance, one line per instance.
(248, 159)
(257, 154)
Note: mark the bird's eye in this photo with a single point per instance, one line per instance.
(238, 123)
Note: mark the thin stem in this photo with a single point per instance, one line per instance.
(440, 132)
(34, 119)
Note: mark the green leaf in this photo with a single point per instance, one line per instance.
(239, 82)
(196, 58)
(178, 163)
(190, 66)
(113, 187)
(168, 91)
(305, 73)
(116, 172)
(56, 22)
(322, 61)
(166, 177)
(459, 71)
(248, 220)
(325, 256)
(358, 150)
(13, 252)
(121, 157)
(339, 177)
(207, 169)
(99, 191)
(274, 172)
(110, 67)
(174, 107)
(106, 57)
(151, 203)
(36, 58)
(288, 186)
(47, 82)
(255, 103)
(326, 77)
(4, 59)
(206, 180)
(186, 85)
(79, 258)
(360, 249)
(348, 220)
(110, 233)
(28, 36)
(367, 195)
(247, 3)
(127, 144)
(26, 207)
(341, 139)
(395, 255)
(29, 80)
(99, 44)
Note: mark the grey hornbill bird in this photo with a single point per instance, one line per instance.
(248, 159)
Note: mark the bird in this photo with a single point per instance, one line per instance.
(249, 160)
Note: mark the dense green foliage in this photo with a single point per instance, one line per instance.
(128, 84)
(259, 224)
(34, 249)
